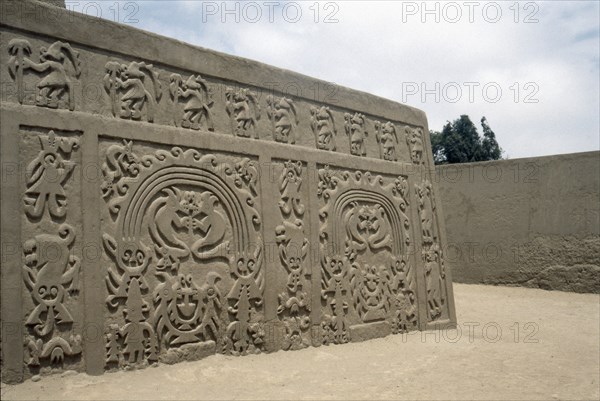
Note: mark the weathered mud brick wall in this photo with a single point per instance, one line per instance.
(160, 203)
(531, 222)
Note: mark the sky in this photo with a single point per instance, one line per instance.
(531, 68)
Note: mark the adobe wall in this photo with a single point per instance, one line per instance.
(530, 222)
(163, 202)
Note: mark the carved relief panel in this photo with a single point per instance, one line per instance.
(323, 127)
(244, 111)
(196, 98)
(284, 118)
(367, 275)
(184, 264)
(355, 126)
(294, 266)
(432, 254)
(51, 250)
(134, 89)
(414, 141)
(185, 253)
(387, 139)
(56, 71)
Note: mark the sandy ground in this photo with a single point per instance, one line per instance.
(512, 343)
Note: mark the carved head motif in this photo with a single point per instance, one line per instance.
(133, 70)
(372, 278)
(54, 52)
(293, 171)
(50, 294)
(337, 265)
(132, 257)
(245, 266)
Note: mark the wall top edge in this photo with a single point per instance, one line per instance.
(46, 19)
(546, 158)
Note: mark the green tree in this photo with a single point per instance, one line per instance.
(459, 142)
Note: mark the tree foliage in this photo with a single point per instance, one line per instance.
(459, 142)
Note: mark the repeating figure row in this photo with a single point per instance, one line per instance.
(135, 92)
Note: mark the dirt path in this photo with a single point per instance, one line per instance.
(513, 343)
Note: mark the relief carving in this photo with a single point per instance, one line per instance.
(246, 175)
(427, 213)
(121, 165)
(51, 273)
(294, 301)
(373, 280)
(47, 175)
(434, 276)
(134, 89)
(184, 224)
(372, 291)
(197, 99)
(245, 334)
(187, 254)
(244, 112)
(335, 290)
(323, 127)
(284, 120)
(414, 140)
(49, 268)
(58, 65)
(432, 254)
(131, 259)
(186, 312)
(138, 335)
(366, 227)
(387, 139)
(405, 299)
(290, 183)
(54, 350)
(357, 133)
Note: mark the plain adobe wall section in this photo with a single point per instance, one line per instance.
(530, 222)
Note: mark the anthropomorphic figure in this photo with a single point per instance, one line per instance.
(387, 139)
(132, 80)
(290, 183)
(244, 297)
(197, 107)
(323, 127)
(212, 306)
(414, 138)
(244, 112)
(47, 175)
(426, 212)
(282, 113)
(58, 73)
(434, 283)
(355, 129)
(136, 332)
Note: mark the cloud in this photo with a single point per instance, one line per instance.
(383, 46)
